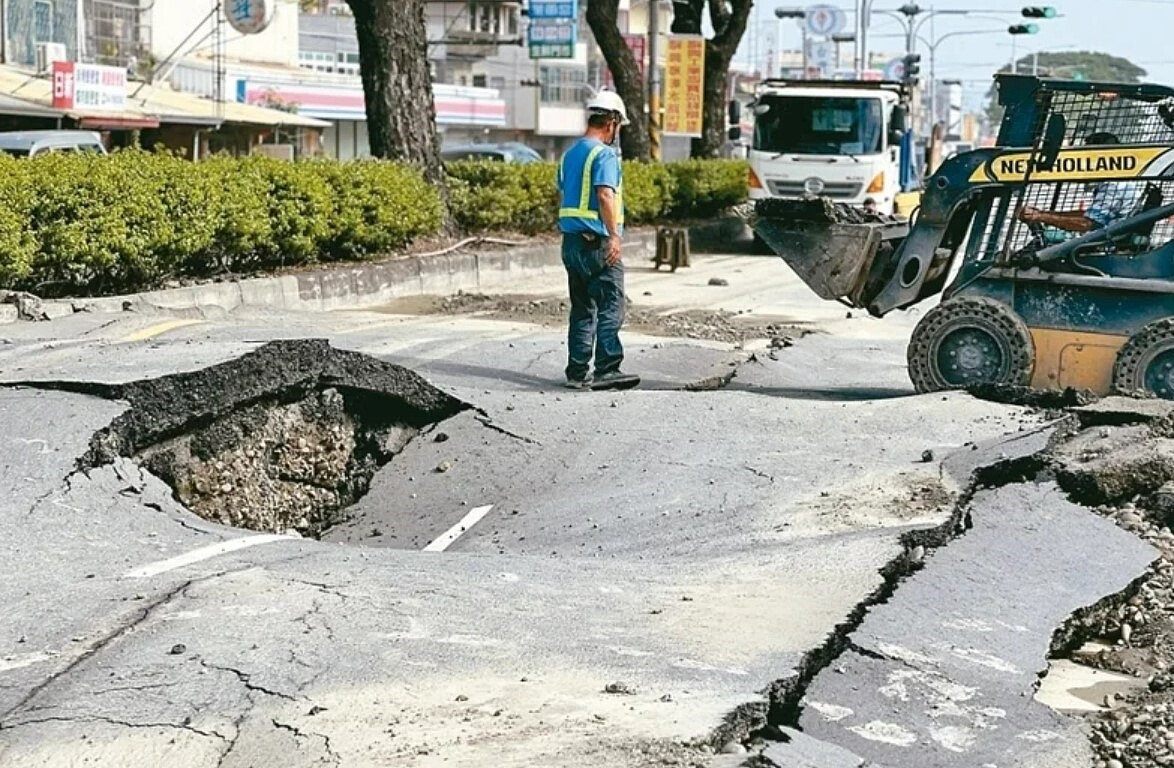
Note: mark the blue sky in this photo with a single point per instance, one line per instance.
(1140, 30)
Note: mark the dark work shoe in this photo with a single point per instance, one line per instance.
(615, 380)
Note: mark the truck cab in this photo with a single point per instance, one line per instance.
(836, 139)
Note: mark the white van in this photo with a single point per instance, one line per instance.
(33, 143)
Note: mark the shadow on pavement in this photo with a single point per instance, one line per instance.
(833, 394)
(520, 379)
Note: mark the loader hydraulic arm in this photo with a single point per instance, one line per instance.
(919, 265)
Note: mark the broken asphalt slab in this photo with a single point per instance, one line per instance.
(943, 673)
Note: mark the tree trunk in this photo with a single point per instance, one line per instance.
(729, 19)
(602, 18)
(393, 60)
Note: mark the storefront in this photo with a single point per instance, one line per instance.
(463, 114)
(137, 114)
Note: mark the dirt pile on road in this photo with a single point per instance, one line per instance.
(729, 327)
(818, 209)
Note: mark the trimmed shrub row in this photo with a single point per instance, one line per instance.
(74, 224)
(488, 196)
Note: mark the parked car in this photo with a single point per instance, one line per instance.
(33, 143)
(507, 152)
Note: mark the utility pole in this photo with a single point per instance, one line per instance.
(654, 78)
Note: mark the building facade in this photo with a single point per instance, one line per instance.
(28, 24)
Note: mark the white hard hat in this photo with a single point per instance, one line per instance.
(609, 101)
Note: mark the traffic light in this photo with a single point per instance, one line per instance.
(686, 18)
(1039, 12)
(912, 64)
(1023, 29)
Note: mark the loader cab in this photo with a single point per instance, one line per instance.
(837, 142)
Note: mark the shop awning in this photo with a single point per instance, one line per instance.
(115, 122)
(180, 107)
(149, 107)
(22, 108)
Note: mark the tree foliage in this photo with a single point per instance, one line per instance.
(1068, 65)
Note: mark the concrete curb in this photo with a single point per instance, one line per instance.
(351, 285)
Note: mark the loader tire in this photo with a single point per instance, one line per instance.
(1145, 365)
(970, 341)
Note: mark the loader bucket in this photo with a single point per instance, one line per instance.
(832, 251)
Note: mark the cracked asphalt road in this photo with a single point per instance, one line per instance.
(699, 547)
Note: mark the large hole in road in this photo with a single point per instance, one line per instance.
(284, 437)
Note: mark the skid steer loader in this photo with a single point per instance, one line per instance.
(1089, 306)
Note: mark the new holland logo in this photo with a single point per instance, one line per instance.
(1075, 165)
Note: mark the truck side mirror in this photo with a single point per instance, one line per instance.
(1053, 141)
(735, 112)
(735, 133)
(897, 121)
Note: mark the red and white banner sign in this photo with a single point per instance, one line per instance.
(88, 86)
(455, 105)
(638, 44)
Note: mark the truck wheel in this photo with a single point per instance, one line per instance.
(1146, 363)
(970, 341)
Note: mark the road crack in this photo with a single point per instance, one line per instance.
(210, 734)
(300, 734)
(246, 679)
(142, 615)
(484, 420)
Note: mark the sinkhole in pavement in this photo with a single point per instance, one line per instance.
(284, 437)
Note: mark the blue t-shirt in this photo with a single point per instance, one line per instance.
(1112, 200)
(605, 172)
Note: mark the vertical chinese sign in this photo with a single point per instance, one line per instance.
(684, 85)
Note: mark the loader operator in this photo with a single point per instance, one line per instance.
(1111, 200)
(591, 219)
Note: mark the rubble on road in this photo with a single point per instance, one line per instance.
(723, 326)
(28, 306)
(818, 209)
(1042, 399)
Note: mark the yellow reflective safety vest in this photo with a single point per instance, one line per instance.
(579, 204)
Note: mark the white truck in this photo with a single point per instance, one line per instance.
(844, 140)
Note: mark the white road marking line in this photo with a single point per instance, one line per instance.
(444, 541)
(20, 661)
(204, 553)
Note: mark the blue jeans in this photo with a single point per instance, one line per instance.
(597, 307)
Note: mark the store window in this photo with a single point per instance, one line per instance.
(43, 21)
(562, 85)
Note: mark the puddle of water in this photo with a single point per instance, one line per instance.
(1072, 687)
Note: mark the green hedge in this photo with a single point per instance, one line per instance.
(488, 196)
(79, 223)
(84, 224)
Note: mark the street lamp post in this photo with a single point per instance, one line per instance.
(932, 45)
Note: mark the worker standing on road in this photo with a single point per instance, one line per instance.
(591, 218)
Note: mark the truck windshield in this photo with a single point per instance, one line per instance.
(815, 125)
